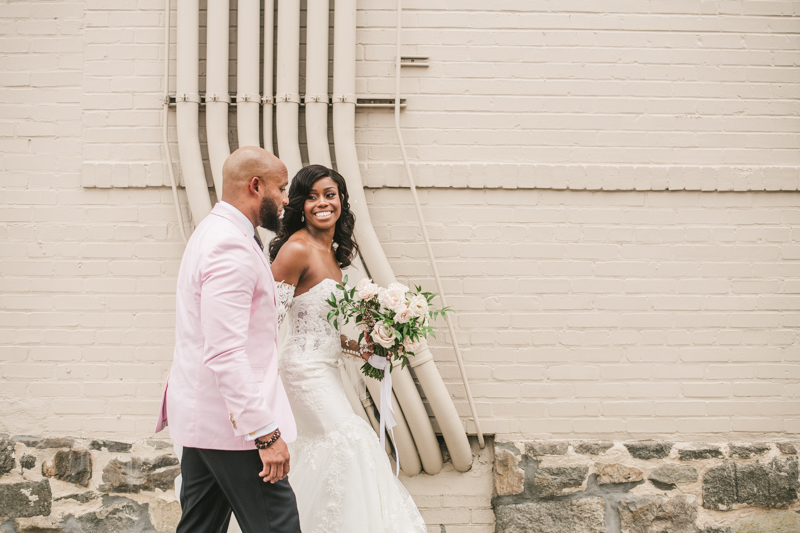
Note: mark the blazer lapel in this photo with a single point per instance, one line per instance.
(222, 212)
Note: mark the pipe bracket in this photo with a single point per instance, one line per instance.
(344, 99)
(213, 97)
(287, 98)
(187, 97)
(267, 100)
(248, 97)
(316, 98)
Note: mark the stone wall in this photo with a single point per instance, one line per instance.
(646, 487)
(64, 485)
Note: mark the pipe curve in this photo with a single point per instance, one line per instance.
(187, 108)
(287, 105)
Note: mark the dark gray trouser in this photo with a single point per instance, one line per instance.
(216, 482)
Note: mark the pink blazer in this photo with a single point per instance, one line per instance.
(224, 380)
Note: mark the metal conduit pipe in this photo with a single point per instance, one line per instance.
(248, 100)
(287, 99)
(426, 372)
(269, 57)
(316, 99)
(217, 97)
(406, 448)
(165, 125)
(187, 104)
(344, 100)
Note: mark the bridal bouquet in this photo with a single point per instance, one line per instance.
(392, 321)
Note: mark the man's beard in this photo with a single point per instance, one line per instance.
(270, 217)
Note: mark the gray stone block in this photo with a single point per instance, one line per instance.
(700, 452)
(592, 448)
(111, 445)
(117, 515)
(42, 444)
(746, 450)
(719, 487)
(83, 497)
(649, 449)
(136, 474)
(773, 484)
(26, 499)
(584, 515)
(536, 449)
(27, 462)
(73, 466)
(674, 474)
(6, 456)
(657, 514)
(509, 477)
(617, 473)
(785, 522)
(556, 480)
(787, 448)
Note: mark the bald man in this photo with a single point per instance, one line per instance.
(224, 402)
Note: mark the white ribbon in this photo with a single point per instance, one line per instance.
(385, 406)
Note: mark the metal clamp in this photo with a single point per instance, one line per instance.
(316, 98)
(247, 97)
(267, 100)
(287, 98)
(187, 97)
(212, 97)
(344, 99)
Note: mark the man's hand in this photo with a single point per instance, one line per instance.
(275, 460)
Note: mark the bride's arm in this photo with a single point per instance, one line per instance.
(287, 269)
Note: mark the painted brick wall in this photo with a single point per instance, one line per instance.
(624, 314)
(581, 94)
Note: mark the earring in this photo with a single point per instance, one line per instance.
(302, 218)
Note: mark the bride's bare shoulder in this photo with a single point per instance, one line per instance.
(292, 260)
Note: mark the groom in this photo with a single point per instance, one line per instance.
(224, 399)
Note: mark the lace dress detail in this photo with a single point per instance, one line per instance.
(340, 473)
(284, 294)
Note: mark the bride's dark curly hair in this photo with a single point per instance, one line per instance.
(345, 245)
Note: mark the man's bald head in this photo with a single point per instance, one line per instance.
(254, 181)
(245, 164)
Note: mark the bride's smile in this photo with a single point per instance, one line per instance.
(323, 205)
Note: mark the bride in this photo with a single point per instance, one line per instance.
(340, 473)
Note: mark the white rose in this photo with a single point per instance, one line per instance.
(393, 299)
(366, 289)
(418, 306)
(383, 335)
(404, 315)
(411, 346)
(398, 286)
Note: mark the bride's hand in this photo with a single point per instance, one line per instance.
(367, 352)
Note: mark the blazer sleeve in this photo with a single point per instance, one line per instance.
(226, 297)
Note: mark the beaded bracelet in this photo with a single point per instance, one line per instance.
(264, 444)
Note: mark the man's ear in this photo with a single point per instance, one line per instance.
(254, 184)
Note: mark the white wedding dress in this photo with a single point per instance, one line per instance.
(340, 473)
